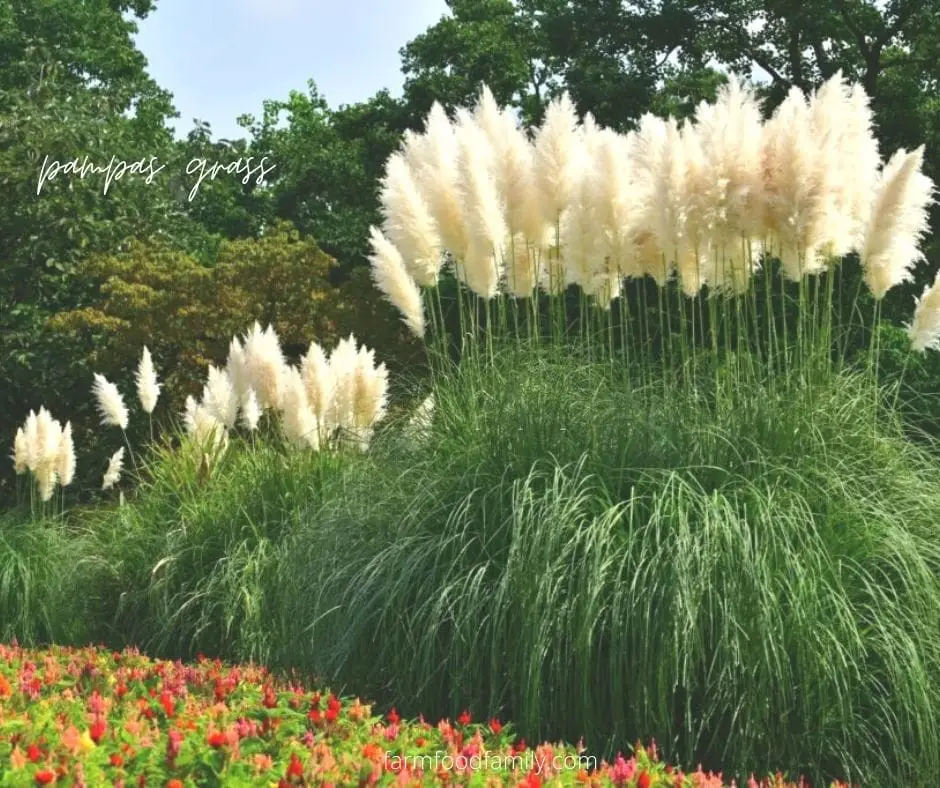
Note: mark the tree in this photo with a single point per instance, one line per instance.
(72, 84)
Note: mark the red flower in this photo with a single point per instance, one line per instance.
(464, 718)
(315, 716)
(518, 747)
(216, 739)
(532, 780)
(45, 777)
(174, 744)
(421, 741)
(393, 717)
(295, 768)
(98, 728)
(33, 753)
(174, 783)
(270, 698)
(116, 759)
(332, 714)
(496, 726)
(643, 781)
(166, 700)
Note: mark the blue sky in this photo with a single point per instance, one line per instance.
(222, 58)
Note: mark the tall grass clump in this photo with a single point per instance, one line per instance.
(758, 586)
(654, 496)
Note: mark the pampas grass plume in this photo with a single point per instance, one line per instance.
(897, 222)
(392, 279)
(924, 330)
(113, 474)
(65, 461)
(110, 403)
(148, 389)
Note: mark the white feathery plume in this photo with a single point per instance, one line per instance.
(113, 474)
(370, 400)
(434, 168)
(395, 283)
(300, 424)
(924, 330)
(728, 190)
(148, 389)
(219, 397)
(343, 363)
(480, 269)
(897, 222)
(615, 202)
(250, 410)
(237, 369)
(579, 226)
(204, 429)
(21, 451)
(110, 403)
(264, 363)
(319, 384)
(408, 222)
(555, 164)
(189, 414)
(798, 187)
(65, 461)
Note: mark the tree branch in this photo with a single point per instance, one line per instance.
(903, 17)
(854, 29)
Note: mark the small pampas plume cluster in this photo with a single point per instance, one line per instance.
(321, 403)
(110, 403)
(700, 201)
(148, 389)
(898, 221)
(924, 330)
(45, 449)
(113, 473)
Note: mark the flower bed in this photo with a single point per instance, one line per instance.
(91, 717)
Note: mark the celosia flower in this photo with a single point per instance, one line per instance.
(110, 403)
(113, 474)
(147, 387)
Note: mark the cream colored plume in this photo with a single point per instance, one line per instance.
(319, 385)
(433, 161)
(897, 222)
(220, 398)
(113, 473)
(264, 365)
(110, 403)
(408, 222)
(481, 266)
(65, 459)
(393, 280)
(924, 330)
(300, 423)
(148, 389)
(556, 164)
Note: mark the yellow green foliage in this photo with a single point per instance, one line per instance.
(187, 312)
